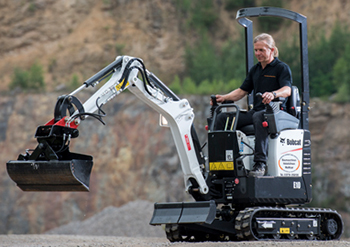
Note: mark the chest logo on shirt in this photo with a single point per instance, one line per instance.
(271, 76)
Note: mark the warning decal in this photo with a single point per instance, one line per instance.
(221, 166)
(119, 86)
(284, 230)
(188, 144)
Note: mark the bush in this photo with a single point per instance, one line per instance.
(189, 86)
(32, 79)
(206, 88)
(231, 85)
(74, 83)
(176, 86)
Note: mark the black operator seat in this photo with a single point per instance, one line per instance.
(248, 129)
(293, 108)
(293, 103)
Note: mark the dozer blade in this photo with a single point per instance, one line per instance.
(54, 175)
(183, 212)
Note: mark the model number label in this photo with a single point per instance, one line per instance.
(297, 185)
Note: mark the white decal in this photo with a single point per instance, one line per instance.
(229, 155)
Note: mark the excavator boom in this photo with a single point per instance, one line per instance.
(52, 167)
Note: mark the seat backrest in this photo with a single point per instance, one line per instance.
(293, 103)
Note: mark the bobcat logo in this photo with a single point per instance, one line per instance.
(283, 140)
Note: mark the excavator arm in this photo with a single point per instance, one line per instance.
(52, 167)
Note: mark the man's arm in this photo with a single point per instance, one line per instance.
(235, 95)
(283, 92)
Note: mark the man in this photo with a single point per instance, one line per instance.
(273, 79)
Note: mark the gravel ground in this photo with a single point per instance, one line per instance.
(127, 226)
(108, 241)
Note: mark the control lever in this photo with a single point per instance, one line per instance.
(214, 104)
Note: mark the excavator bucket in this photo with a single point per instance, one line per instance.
(53, 175)
(183, 212)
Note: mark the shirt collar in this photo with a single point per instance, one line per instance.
(273, 63)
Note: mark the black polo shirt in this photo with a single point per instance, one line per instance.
(274, 76)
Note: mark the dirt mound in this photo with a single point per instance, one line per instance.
(129, 220)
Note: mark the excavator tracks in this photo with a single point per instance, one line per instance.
(270, 223)
(264, 223)
(193, 233)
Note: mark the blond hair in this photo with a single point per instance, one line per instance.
(269, 41)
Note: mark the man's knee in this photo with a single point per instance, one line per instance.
(258, 117)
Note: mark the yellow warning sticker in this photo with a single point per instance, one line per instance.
(119, 86)
(284, 230)
(221, 166)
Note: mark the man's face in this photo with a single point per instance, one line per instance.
(263, 53)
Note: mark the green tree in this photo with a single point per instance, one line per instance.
(341, 77)
(203, 14)
(290, 54)
(232, 60)
(323, 55)
(198, 14)
(201, 61)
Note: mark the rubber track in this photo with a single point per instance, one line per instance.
(245, 228)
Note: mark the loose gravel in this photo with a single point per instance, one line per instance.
(129, 226)
(129, 220)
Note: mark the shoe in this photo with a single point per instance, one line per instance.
(259, 169)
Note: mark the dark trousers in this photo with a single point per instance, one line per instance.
(246, 118)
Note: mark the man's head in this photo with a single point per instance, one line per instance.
(265, 48)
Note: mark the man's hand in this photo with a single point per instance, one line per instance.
(220, 98)
(235, 95)
(267, 97)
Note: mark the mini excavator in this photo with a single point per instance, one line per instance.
(228, 204)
